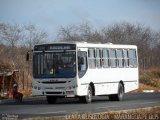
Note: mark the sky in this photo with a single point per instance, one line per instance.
(50, 15)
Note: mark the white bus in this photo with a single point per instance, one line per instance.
(84, 70)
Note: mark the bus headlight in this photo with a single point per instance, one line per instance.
(36, 87)
(39, 88)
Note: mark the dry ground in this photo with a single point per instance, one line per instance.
(133, 114)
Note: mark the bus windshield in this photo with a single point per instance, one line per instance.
(54, 64)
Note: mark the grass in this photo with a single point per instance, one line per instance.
(147, 87)
(150, 79)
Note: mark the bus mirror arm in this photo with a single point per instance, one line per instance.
(27, 56)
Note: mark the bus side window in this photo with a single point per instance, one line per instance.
(91, 58)
(105, 58)
(112, 57)
(120, 58)
(125, 56)
(82, 63)
(98, 58)
(132, 58)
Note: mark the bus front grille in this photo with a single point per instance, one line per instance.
(49, 82)
(53, 92)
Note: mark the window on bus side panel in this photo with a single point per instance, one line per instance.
(82, 63)
(120, 58)
(91, 58)
(98, 58)
(105, 58)
(112, 57)
(132, 58)
(125, 56)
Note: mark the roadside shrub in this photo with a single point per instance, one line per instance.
(156, 72)
(151, 77)
(145, 79)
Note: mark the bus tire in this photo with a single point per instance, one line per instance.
(119, 95)
(51, 99)
(88, 98)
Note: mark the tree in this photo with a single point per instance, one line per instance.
(82, 32)
(10, 34)
(119, 33)
(33, 35)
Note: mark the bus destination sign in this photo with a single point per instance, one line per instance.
(60, 47)
(53, 47)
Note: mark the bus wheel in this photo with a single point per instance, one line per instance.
(51, 99)
(88, 98)
(119, 95)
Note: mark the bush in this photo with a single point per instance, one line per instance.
(151, 77)
(145, 79)
(156, 72)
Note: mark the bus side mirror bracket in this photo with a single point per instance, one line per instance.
(27, 56)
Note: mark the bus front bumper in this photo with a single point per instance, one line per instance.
(53, 92)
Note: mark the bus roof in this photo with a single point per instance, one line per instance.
(96, 45)
(104, 45)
